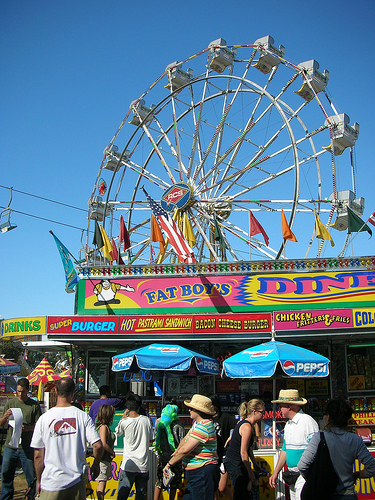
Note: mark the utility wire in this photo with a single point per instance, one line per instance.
(44, 199)
(42, 218)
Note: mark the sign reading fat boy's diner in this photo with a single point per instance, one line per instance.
(226, 293)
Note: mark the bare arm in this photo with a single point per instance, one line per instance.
(97, 449)
(39, 466)
(280, 464)
(245, 433)
(184, 448)
(4, 418)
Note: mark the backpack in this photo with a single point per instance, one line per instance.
(321, 477)
(220, 442)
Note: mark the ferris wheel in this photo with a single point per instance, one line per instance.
(232, 139)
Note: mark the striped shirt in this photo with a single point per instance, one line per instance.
(206, 451)
(297, 433)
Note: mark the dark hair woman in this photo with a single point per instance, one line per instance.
(344, 447)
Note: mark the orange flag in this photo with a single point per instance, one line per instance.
(156, 234)
(287, 232)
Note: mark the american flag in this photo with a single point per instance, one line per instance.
(172, 232)
(371, 219)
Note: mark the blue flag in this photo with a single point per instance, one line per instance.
(70, 273)
(157, 390)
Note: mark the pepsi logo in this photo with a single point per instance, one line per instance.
(289, 367)
(258, 354)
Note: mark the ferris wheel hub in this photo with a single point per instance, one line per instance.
(179, 195)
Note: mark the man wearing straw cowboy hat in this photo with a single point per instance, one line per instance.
(297, 433)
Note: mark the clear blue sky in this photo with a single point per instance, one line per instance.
(71, 69)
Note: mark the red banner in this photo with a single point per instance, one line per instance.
(163, 324)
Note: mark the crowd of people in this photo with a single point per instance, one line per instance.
(52, 447)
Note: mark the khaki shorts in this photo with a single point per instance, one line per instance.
(75, 492)
(105, 471)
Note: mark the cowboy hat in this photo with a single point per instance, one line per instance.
(201, 403)
(290, 396)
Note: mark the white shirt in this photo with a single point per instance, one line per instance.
(137, 436)
(297, 433)
(63, 433)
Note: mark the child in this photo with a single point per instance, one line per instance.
(103, 421)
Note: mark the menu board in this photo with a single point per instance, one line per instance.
(188, 386)
(98, 373)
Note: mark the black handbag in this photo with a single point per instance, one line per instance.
(290, 477)
(321, 477)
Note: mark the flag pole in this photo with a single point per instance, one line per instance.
(249, 236)
(75, 260)
(356, 233)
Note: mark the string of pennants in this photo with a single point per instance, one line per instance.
(178, 232)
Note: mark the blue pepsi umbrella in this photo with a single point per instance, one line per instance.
(164, 357)
(264, 360)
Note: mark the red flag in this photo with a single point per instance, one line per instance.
(256, 228)
(371, 219)
(123, 234)
(116, 254)
(172, 232)
(287, 232)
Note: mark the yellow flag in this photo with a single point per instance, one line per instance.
(321, 230)
(107, 248)
(187, 231)
(177, 218)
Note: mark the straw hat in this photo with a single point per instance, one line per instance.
(290, 396)
(201, 403)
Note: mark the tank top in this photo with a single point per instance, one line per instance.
(110, 441)
(233, 453)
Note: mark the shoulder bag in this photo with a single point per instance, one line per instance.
(321, 477)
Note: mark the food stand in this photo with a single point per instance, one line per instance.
(318, 305)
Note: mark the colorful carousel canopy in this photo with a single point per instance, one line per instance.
(43, 373)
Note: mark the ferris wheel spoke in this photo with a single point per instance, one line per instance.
(148, 175)
(219, 128)
(249, 125)
(176, 153)
(197, 121)
(159, 154)
(220, 158)
(204, 236)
